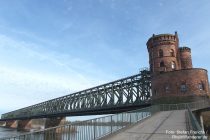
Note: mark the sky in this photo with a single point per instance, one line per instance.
(53, 48)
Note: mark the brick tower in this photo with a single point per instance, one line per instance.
(173, 77)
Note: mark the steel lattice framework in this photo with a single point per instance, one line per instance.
(117, 96)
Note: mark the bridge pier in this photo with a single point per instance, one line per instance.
(2, 123)
(40, 123)
(37, 124)
(53, 122)
(24, 125)
(11, 124)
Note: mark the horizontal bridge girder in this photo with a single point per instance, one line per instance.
(123, 94)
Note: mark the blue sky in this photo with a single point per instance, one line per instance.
(55, 47)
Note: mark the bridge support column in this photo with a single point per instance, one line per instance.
(2, 123)
(11, 124)
(29, 124)
(35, 123)
(24, 125)
(53, 122)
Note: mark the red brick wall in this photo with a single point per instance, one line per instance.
(169, 83)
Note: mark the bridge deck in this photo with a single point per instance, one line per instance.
(155, 127)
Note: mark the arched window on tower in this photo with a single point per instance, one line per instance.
(160, 53)
(173, 65)
(162, 64)
(183, 87)
(171, 52)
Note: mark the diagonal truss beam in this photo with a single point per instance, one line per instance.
(125, 93)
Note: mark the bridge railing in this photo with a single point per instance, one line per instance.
(90, 129)
(97, 128)
(183, 106)
(194, 126)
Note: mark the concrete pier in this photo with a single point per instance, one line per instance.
(11, 124)
(36, 124)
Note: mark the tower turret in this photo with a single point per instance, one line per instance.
(185, 57)
(163, 53)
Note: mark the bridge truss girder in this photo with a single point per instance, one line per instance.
(124, 94)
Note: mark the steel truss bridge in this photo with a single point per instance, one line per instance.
(121, 95)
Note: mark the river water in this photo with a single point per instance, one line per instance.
(5, 132)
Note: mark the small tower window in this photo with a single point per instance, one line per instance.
(171, 52)
(162, 64)
(173, 65)
(160, 53)
(183, 87)
(201, 86)
(167, 88)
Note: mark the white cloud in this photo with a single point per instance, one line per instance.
(19, 87)
(22, 85)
